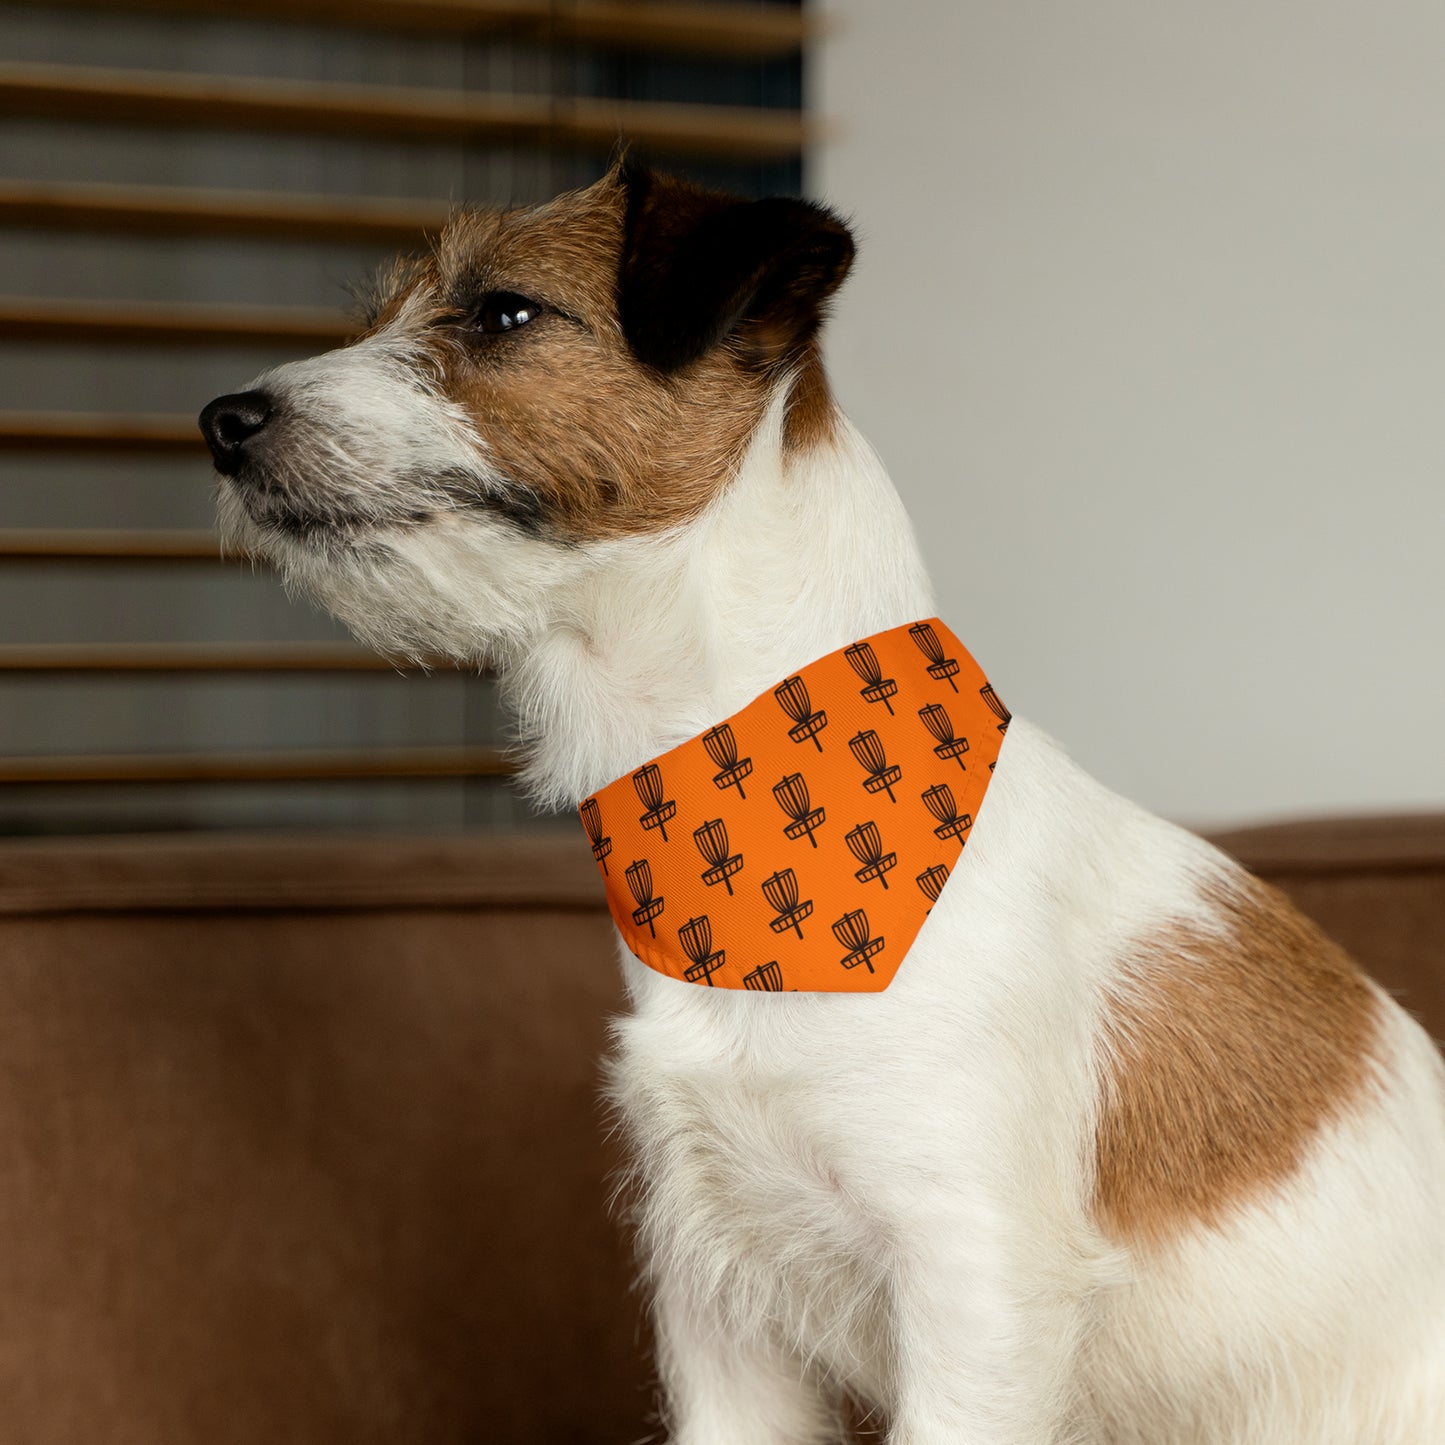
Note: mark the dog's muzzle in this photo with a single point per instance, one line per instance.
(230, 422)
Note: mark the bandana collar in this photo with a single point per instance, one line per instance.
(799, 845)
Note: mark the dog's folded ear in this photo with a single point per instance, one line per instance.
(700, 266)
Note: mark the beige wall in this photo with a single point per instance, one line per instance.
(1149, 323)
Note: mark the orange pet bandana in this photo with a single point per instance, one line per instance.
(800, 844)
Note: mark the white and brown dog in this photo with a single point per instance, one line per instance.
(1127, 1152)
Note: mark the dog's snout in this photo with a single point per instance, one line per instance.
(229, 422)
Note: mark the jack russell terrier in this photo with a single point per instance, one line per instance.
(1046, 1125)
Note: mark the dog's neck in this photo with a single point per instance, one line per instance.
(657, 638)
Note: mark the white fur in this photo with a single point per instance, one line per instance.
(890, 1193)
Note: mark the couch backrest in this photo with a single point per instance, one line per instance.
(303, 1142)
(302, 1138)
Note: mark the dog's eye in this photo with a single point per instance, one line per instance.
(504, 311)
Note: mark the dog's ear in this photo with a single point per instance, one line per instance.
(699, 266)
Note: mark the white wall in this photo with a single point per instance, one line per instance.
(1149, 323)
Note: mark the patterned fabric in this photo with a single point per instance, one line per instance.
(799, 845)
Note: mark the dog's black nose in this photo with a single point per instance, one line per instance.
(229, 422)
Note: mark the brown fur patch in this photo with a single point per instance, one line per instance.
(610, 447)
(605, 445)
(1226, 1054)
(812, 413)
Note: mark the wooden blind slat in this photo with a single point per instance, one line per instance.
(258, 767)
(78, 431)
(756, 32)
(217, 102)
(98, 432)
(708, 29)
(170, 323)
(133, 657)
(174, 210)
(76, 544)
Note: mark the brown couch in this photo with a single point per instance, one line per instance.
(300, 1140)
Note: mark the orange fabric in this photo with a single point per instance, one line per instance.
(800, 844)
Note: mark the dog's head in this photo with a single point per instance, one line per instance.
(547, 379)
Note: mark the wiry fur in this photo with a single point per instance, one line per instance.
(895, 1195)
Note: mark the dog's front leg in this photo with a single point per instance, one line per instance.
(722, 1388)
(985, 1340)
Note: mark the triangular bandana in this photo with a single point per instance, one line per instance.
(800, 844)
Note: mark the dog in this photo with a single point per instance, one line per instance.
(1126, 1152)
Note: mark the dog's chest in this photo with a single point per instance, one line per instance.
(746, 1184)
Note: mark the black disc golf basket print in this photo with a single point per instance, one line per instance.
(876, 688)
(712, 843)
(792, 696)
(660, 811)
(946, 746)
(990, 698)
(931, 881)
(639, 881)
(881, 778)
(722, 748)
(939, 801)
(592, 823)
(696, 938)
(781, 891)
(866, 846)
(851, 930)
(940, 668)
(793, 799)
(766, 978)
